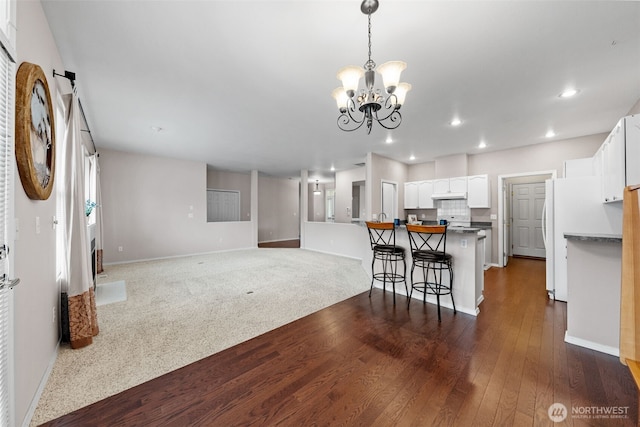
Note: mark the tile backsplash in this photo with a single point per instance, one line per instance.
(453, 208)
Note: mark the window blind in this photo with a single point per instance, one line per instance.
(7, 77)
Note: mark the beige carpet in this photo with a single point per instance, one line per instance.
(181, 310)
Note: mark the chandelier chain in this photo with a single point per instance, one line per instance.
(369, 36)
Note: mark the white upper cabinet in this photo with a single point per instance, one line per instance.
(478, 195)
(417, 195)
(450, 185)
(632, 149)
(411, 195)
(458, 184)
(619, 156)
(425, 190)
(441, 186)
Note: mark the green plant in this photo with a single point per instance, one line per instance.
(88, 207)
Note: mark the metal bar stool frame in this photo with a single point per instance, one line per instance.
(428, 250)
(382, 236)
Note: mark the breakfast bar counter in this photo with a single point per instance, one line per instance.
(468, 272)
(594, 265)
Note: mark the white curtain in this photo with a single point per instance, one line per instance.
(99, 226)
(78, 298)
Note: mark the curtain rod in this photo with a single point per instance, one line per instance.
(71, 76)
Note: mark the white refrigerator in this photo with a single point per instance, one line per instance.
(573, 205)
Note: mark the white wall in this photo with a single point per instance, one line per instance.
(146, 205)
(388, 170)
(348, 240)
(317, 202)
(278, 209)
(451, 166)
(37, 295)
(344, 188)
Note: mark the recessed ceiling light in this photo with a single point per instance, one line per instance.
(550, 134)
(482, 144)
(412, 157)
(568, 93)
(333, 168)
(389, 140)
(455, 122)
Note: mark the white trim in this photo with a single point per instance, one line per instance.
(614, 351)
(176, 256)
(501, 207)
(418, 296)
(336, 254)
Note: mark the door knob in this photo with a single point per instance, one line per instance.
(8, 283)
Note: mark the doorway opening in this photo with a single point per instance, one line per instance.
(389, 199)
(528, 235)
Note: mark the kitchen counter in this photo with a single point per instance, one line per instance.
(591, 237)
(594, 264)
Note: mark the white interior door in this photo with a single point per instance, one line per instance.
(506, 235)
(389, 200)
(526, 210)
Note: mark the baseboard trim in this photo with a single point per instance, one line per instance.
(614, 351)
(333, 253)
(177, 256)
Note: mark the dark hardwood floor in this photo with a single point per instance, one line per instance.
(367, 362)
(295, 243)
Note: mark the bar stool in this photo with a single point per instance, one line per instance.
(428, 249)
(382, 236)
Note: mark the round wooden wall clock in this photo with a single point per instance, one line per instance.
(35, 132)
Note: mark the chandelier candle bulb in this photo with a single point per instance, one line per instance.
(390, 72)
(401, 94)
(350, 77)
(341, 98)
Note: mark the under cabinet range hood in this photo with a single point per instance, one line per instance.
(449, 196)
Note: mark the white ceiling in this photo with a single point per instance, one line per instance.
(247, 85)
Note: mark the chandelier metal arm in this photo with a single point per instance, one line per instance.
(394, 119)
(346, 120)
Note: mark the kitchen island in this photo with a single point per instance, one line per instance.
(467, 250)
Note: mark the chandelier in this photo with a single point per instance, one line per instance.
(371, 104)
